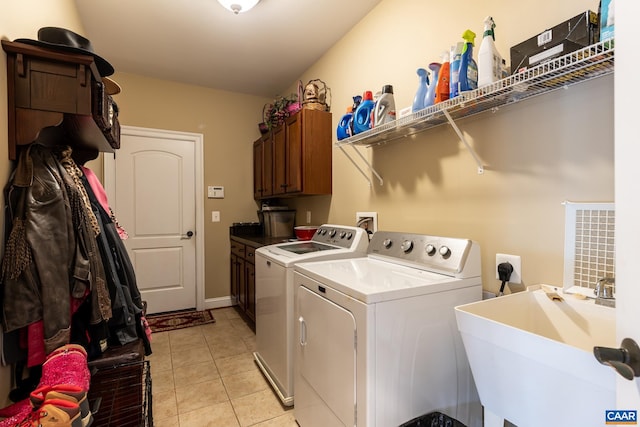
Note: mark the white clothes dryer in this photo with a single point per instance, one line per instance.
(376, 337)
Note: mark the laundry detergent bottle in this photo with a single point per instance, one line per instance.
(423, 82)
(442, 85)
(362, 115)
(356, 101)
(489, 60)
(430, 97)
(385, 107)
(468, 76)
(343, 131)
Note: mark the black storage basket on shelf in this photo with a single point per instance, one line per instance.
(433, 419)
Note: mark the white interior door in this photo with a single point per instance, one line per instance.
(156, 184)
(627, 201)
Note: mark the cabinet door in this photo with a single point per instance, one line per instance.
(293, 127)
(250, 280)
(235, 277)
(242, 284)
(258, 172)
(279, 160)
(267, 166)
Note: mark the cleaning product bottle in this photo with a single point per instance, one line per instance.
(454, 69)
(356, 102)
(430, 97)
(468, 77)
(343, 131)
(442, 85)
(372, 119)
(489, 60)
(385, 108)
(362, 115)
(423, 82)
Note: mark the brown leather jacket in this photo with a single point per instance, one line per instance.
(51, 256)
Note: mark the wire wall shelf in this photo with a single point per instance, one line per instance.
(591, 62)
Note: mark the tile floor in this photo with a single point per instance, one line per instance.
(206, 376)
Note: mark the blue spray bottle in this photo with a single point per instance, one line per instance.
(468, 77)
(430, 96)
(423, 81)
(454, 69)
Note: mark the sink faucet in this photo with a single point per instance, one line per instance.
(604, 291)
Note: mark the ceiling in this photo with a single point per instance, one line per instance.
(260, 52)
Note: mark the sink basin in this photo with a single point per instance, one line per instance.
(532, 358)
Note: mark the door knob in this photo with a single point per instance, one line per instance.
(625, 360)
(188, 235)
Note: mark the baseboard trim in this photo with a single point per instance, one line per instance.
(220, 302)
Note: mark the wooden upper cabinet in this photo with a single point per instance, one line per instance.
(294, 168)
(60, 90)
(258, 170)
(263, 167)
(279, 160)
(302, 158)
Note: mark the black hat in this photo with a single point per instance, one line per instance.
(68, 41)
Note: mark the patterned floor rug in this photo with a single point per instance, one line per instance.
(179, 320)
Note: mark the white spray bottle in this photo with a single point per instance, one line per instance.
(489, 59)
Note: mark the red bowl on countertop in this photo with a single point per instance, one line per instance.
(305, 232)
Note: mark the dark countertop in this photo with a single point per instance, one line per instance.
(258, 241)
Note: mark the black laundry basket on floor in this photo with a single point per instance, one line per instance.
(433, 419)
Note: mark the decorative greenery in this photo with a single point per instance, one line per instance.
(276, 112)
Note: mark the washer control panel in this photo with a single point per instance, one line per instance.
(340, 235)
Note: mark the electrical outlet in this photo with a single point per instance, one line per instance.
(215, 216)
(515, 261)
(367, 220)
(308, 217)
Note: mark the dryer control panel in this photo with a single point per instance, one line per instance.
(445, 255)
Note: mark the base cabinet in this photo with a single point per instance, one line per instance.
(243, 282)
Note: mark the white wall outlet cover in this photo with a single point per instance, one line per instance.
(516, 262)
(372, 224)
(215, 216)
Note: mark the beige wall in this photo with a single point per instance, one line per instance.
(229, 123)
(537, 153)
(23, 19)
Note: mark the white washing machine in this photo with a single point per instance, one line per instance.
(376, 337)
(275, 296)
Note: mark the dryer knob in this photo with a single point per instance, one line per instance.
(319, 230)
(430, 250)
(444, 251)
(332, 233)
(342, 234)
(349, 235)
(387, 243)
(323, 231)
(407, 245)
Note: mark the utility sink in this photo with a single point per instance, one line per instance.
(532, 358)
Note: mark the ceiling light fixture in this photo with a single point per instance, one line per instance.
(238, 6)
